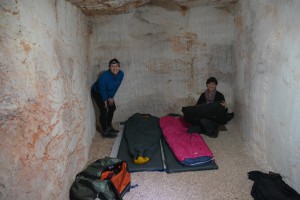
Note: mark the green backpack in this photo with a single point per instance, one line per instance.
(104, 179)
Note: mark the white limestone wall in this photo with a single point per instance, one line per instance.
(166, 55)
(45, 109)
(267, 87)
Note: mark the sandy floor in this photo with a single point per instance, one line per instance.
(229, 182)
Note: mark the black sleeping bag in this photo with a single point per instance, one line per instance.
(212, 111)
(142, 133)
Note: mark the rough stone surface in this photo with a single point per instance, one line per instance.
(51, 54)
(45, 126)
(104, 7)
(166, 56)
(267, 87)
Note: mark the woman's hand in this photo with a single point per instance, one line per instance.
(223, 103)
(105, 105)
(111, 101)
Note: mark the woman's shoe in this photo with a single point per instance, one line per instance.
(194, 129)
(108, 134)
(112, 130)
(229, 116)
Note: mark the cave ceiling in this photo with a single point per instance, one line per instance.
(112, 7)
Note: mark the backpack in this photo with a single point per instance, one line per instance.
(104, 179)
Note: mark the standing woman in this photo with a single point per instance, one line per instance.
(103, 92)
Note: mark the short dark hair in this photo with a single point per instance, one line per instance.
(212, 80)
(113, 61)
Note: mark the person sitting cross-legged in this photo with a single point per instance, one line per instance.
(211, 95)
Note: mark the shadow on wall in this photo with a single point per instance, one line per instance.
(97, 116)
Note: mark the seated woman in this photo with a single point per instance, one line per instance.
(211, 95)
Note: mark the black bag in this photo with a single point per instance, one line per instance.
(212, 111)
(105, 179)
(270, 187)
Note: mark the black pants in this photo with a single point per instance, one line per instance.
(210, 127)
(106, 115)
(207, 126)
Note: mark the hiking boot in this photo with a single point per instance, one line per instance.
(112, 130)
(215, 134)
(212, 134)
(194, 129)
(229, 116)
(108, 134)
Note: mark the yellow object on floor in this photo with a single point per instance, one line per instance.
(141, 160)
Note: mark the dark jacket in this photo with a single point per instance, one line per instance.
(212, 111)
(218, 98)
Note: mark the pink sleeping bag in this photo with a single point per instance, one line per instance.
(189, 148)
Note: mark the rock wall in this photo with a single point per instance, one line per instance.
(167, 54)
(45, 120)
(51, 55)
(267, 87)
